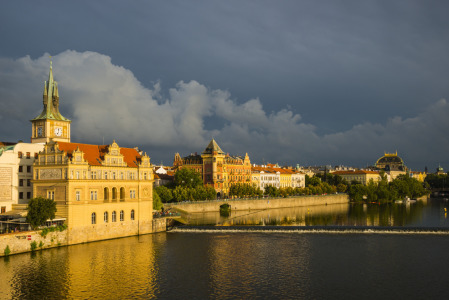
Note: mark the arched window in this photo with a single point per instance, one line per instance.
(122, 215)
(94, 218)
(106, 194)
(114, 194)
(132, 214)
(122, 194)
(114, 217)
(106, 216)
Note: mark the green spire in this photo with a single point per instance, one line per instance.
(51, 100)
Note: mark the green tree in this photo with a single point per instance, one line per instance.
(157, 203)
(188, 178)
(40, 210)
(164, 193)
(312, 181)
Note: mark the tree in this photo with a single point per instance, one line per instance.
(312, 181)
(188, 178)
(165, 194)
(40, 210)
(157, 203)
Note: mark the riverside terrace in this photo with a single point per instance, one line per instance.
(251, 204)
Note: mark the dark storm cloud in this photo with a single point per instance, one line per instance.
(335, 63)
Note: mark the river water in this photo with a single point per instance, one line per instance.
(222, 264)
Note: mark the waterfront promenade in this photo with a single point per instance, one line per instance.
(257, 204)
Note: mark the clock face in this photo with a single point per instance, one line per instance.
(58, 131)
(39, 131)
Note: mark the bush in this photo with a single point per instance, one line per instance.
(7, 250)
(33, 246)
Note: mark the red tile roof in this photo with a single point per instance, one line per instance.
(94, 154)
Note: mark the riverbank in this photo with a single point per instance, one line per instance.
(29, 241)
(258, 204)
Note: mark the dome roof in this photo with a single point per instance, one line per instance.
(390, 161)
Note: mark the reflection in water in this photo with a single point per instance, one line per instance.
(124, 268)
(416, 214)
(246, 265)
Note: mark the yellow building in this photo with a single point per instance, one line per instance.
(271, 175)
(361, 176)
(218, 169)
(103, 191)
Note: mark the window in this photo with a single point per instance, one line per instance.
(145, 176)
(28, 182)
(121, 175)
(106, 216)
(20, 154)
(93, 195)
(105, 175)
(20, 182)
(20, 168)
(122, 215)
(51, 195)
(21, 195)
(28, 195)
(94, 218)
(114, 193)
(28, 155)
(132, 214)
(106, 194)
(114, 217)
(122, 193)
(78, 195)
(77, 175)
(113, 175)
(28, 169)
(132, 194)
(36, 155)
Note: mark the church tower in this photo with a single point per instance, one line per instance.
(50, 124)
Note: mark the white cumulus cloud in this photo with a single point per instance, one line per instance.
(106, 101)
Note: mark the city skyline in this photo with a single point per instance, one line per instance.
(306, 83)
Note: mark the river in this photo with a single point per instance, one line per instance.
(245, 265)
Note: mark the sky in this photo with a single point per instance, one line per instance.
(289, 82)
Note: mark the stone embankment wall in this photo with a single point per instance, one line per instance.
(20, 242)
(159, 225)
(257, 204)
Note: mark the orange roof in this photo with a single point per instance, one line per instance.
(94, 154)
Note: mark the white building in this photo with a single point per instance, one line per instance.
(16, 173)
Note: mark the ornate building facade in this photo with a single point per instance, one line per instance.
(392, 164)
(103, 191)
(218, 169)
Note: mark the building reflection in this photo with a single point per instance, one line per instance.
(248, 265)
(85, 271)
(323, 215)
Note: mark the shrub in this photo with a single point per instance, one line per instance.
(7, 250)
(33, 246)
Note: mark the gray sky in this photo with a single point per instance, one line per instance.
(308, 82)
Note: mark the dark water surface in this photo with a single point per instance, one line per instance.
(238, 265)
